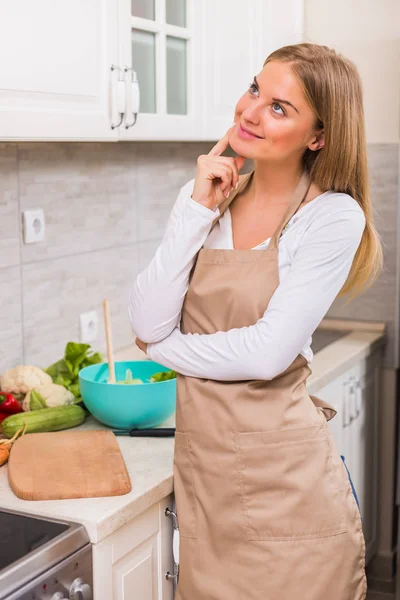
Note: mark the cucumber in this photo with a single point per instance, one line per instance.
(44, 419)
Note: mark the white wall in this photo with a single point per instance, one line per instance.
(367, 32)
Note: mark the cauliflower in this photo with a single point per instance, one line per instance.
(21, 380)
(47, 396)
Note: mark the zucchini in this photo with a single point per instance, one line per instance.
(44, 419)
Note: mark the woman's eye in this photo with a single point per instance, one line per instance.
(253, 87)
(276, 104)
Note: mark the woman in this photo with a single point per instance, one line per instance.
(248, 267)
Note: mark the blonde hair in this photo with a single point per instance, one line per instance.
(333, 88)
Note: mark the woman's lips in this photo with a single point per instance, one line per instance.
(247, 135)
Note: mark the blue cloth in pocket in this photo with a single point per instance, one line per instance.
(351, 483)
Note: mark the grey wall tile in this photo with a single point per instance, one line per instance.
(11, 343)
(380, 301)
(58, 290)
(87, 191)
(161, 170)
(9, 214)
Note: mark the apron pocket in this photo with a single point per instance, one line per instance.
(290, 487)
(183, 487)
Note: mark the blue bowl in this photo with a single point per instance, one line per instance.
(128, 406)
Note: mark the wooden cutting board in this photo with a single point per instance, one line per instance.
(67, 464)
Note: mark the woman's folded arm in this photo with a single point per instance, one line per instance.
(318, 271)
(158, 292)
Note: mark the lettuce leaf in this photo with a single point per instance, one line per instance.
(66, 370)
(37, 401)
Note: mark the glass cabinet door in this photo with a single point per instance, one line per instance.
(160, 45)
(144, 61)
(145, 9)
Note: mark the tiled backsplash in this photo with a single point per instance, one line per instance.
(106, 207)
(381, 301)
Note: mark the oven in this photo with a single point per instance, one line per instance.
(44, 559)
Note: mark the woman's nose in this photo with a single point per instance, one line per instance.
(252, 113)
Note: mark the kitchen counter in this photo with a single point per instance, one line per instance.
(150, 460)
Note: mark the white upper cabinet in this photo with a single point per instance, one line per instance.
(161, 41)
(75, 69)
(55, 60)
(237, 38)
(195, 58)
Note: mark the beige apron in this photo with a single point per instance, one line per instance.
(264, 502)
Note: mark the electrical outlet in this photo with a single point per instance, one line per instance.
(89, 326)
(33, 224)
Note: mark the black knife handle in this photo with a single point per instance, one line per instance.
(153, 432)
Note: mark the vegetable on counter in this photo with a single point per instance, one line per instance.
(4, 415)
(21, 380)
(44, 419)
(129, 379)
(163, 376)
(47, 396)
(9, 404)
(5, 446)
(65, 372)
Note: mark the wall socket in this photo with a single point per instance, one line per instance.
(33, 226)
(88, 326)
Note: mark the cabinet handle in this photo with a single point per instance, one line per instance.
(117, 97)
(132, 96)
(170, 513)
(352, 399)
(175, 538)
(169, 575)
(345, 404)
(359, 397)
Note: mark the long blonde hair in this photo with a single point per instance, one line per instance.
(333, 88)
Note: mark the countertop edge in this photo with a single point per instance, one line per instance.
(112, 522)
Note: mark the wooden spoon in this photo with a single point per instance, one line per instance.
(107, 323)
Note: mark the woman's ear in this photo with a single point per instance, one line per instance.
(318, 142)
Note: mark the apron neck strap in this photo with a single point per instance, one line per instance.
(298, 196)
(296, 200)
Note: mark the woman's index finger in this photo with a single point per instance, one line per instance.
(222, 144)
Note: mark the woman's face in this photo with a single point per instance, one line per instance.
(275, 109)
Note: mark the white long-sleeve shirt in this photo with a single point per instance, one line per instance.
(315, 254)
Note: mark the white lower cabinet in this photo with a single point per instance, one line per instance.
(133, 561)
(355, 396)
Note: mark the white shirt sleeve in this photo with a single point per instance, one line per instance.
(158, 292)
(261, 351)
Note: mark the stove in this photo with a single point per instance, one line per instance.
(43, 559)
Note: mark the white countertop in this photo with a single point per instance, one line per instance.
(340, 356)
(150, 460)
